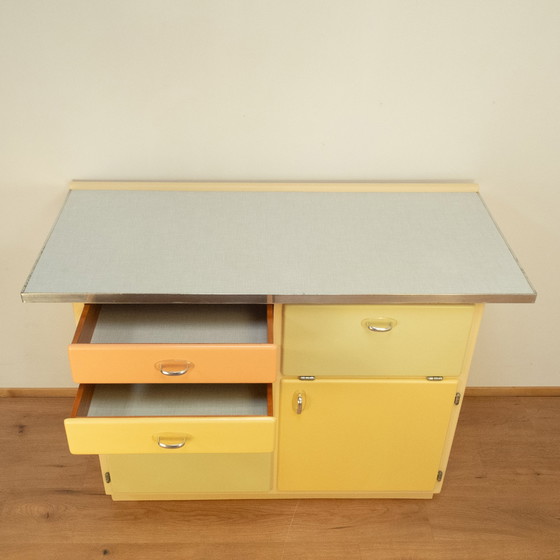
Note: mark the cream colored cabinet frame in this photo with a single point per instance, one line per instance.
(367, 281)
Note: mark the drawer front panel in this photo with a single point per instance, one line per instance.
(173, 344)
(375, 340)
(105, 436)
(216, 472)
(138, 418)
(144, 363)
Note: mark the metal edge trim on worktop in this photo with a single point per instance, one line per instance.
(283, 299)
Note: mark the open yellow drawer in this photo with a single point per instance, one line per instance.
(172, 419)
(174, 344)
(376, 340)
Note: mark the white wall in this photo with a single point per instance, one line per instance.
(283, 90)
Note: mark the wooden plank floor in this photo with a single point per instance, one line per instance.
(501, 500)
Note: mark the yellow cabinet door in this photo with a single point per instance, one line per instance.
(376, 340)
(378, 435)
(196, 473)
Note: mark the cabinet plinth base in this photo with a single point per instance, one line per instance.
(145, 478)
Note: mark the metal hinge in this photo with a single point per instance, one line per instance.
(306, 378)
(439, 476)
(107, 477)
(434, 378)
(457, 399)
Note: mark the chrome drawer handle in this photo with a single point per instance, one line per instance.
(177, 445)
(379, 324)
(172, 368)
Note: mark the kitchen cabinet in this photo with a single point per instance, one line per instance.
(241, 340)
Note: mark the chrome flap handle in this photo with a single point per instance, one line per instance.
(380, 329)
(379, 324)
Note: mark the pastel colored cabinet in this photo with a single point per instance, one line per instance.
(272, 340)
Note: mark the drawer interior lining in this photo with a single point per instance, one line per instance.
(181, 324)
(230, 399)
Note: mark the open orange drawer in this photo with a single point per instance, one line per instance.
(174, 344)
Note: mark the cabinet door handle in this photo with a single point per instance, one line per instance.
(299, 402)
(380, 329)
(176, 445)
(174, 367)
